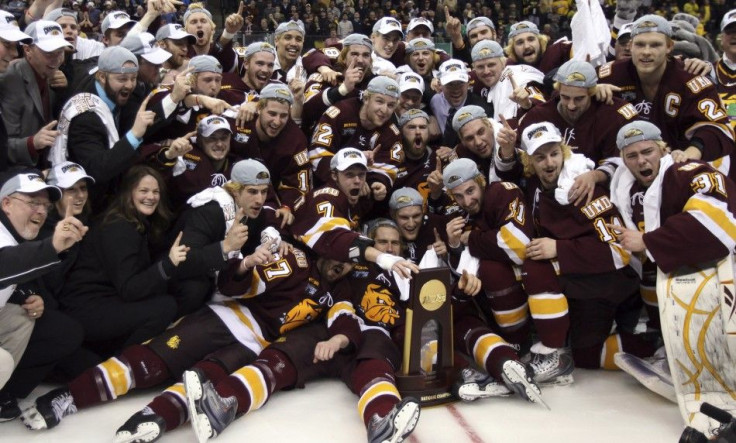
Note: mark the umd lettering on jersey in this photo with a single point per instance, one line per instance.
(698, 84)
(597, 207)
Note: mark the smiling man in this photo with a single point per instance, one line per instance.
(28, 93)
(174, 39)
(686, 107)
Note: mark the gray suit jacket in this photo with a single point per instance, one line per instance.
(22, 110)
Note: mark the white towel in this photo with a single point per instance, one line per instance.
(574, 166)
(590, 32)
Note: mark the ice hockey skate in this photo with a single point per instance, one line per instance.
(209, 413)
(395, 426)
(142, 427)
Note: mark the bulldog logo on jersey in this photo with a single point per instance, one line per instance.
(378, 305)
(306, 311)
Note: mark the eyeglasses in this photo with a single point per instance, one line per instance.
(36, 205)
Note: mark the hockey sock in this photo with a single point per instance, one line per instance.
(253, 384)
(136, 367)
(374, 383)
(649, 295)
(490, 352)
(551, 319)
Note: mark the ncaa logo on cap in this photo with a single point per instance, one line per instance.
(72, 167)
(464, 116)
(51, 30)
(633, 133)
(263, 175)
(536, 133)
(575, 77)
(452, 68)
(403, 199)
(120, 15)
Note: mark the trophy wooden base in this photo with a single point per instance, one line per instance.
(429, 391)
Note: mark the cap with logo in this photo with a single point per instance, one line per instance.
(250, 173)
(9, 30)
(347, 157)
(205, 63)
(478, 22)
(212, 123)
(467, 114)
(48, 36)
(410, 115)
(624, 31)
(651, 23)
(420, 21)
(453, 70)
(276, 91)
(289, 26)
(114, 58)
(56, 14)
(357, 39)
(538, 135)
(174, 31)
(383, 85)
(522, 27)
(485, 49)
(688, 18)
(729, 18)
(28, 183)
(403, 197)
(116, 20)
(256, 47)
(637, 131)
(577, 73)
(387, 25)
(411, 80)
(419, 44)
(458, 172)
(144, 45)
(65, 174)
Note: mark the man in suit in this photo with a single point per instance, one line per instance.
(27, 93)
(10, 35)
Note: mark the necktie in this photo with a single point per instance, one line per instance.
(449, 134)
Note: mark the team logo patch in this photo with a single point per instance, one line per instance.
(378, 305)
(454, 178)
(263, 175)
(575, 77)
(646, 24)
(536, 133)
(173, 342)
(633, 133)
(465, 115)
(306, 311)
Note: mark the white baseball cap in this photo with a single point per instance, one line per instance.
(144, 45)
(728, 19)
(64, 175)
(411, 80)
(174, 31)
(115, 20)
(387, 25)
(28, 183)
(47, 35)
(347, 157)
(453, 70)
(420, 21)
(538, 135)
(211, 124)
(9, 30)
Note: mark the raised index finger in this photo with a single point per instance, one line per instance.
(178, 239)
(144, 103)
(447, 13)
(240, 8)
(505, 122)
(189, 69)
(514, 86)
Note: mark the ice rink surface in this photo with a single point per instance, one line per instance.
(600, 407)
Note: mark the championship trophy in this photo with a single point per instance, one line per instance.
(427, 371)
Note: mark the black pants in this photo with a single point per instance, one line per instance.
(111, 324)
(55, 337)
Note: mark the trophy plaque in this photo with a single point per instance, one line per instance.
(427, 372)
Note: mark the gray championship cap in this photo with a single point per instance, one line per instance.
(522, 27)
(637, 131)
(410, 115)
(539, 134)
(383, 85)
(113, 58)
(403, 197)
(191, 11)
(276, 91)
(65, 174)
(47, 35)
(458, 172)
(651, 23)
(174, 31)
(205, 63)
(467, 114)
(577, 73)
(357, 39)
(478, 22)
(250, 173)
(56, 14)
(144, 45)
(689, 18)
(28, 183)
(289, 26)
(485, 49)
(419, 44)
(116, 20)
(347, 157)
(256, 47)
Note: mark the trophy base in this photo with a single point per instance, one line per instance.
(429, 392)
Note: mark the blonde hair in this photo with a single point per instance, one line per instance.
(509, 49)
(526, 159)
(233, 188)
(591, 90)
(199, 7)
